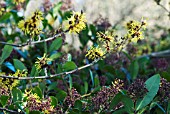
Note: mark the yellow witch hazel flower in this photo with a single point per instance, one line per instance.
(134, 30)
(31, 25)
(107, 39)
(11, 83)
(42, 62)
(95, 53)
(76, 22)
(2, 11)
(18, 1)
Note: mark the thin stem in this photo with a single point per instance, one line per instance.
(164, 8)
(86, 95)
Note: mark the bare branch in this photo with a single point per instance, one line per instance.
(164, 8)
(53, 75)
(165, 53)
(34, 42)
(8, 110)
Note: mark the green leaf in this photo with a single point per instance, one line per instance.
(69, 66)
(38, 91)
(19, 65)
(52, 86)
(85, 87)
(128, 103)
(17, 95)
(121, 97)
(115, 100)
(78, 105)
(108, 69)
(153, 104)
(92, 77)
(34, 112)
(120, 111)
(57, 8)
(5, 16)
(54, 101)
(6, 52)
(165, 74)
(168, 107)
(34, 71)
(84, 37)
(152, 85)
(61, 95)
(127, 55)
(96, 81)
(3, 99)
(134, 69)
(70, 81)
(93, 29)
(55, 56)
(56, 44)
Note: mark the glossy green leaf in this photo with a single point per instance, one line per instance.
(70, 81)
(54, 101)
(6, 52)
(78, 105)
(55, 56)
(168, 107)
(34, 112)
(121, 97)
(38, 91)
(153, 104)
(52, 86)
(115, 100)
(18, 64)
(108, 69)
(16, 95)
(4, 100)
(85, 87)
(92, 77)
(5, 17)
(134, 69)
(34, 71)
(69, 66)
(61, 95)
(165, 74)
(96, 81)
(56, 44)
(152, 84)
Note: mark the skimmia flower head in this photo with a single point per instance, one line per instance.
(76, 22)
(35, 103)
(32, 25)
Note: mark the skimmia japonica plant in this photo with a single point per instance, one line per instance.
(41, 73)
